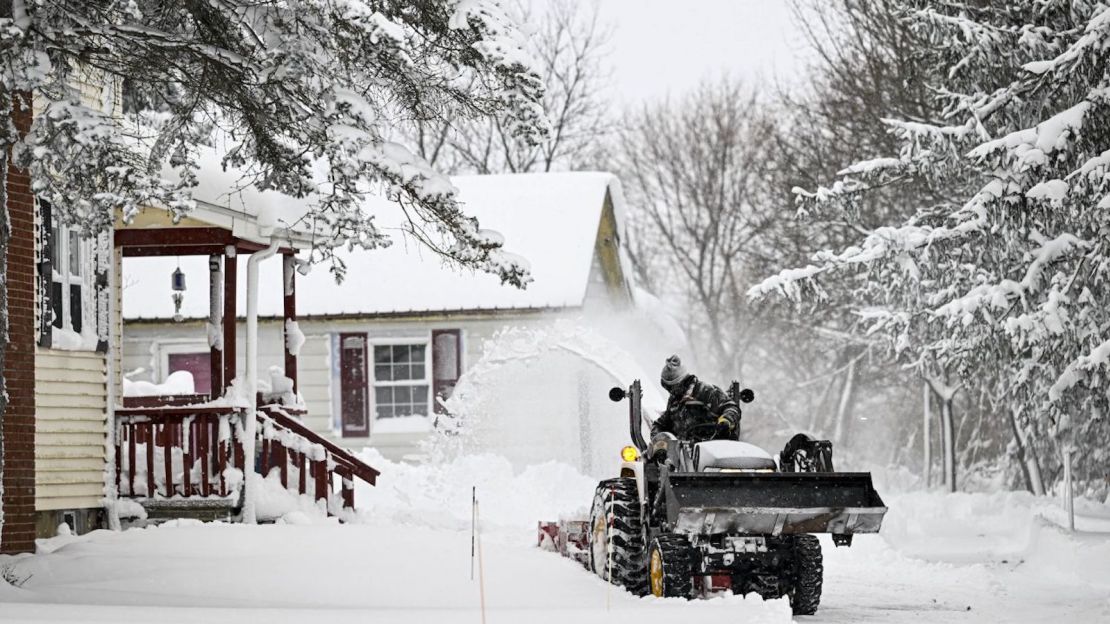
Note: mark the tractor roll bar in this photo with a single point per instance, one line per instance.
(634, 394)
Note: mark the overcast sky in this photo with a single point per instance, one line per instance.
(668, 46)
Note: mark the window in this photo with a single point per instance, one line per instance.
(176, 355)
(71, 279)
(401, 381)
(199, 365)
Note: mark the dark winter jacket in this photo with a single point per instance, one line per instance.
(684, 411)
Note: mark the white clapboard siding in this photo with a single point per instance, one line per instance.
(70, 429)
(142, 339)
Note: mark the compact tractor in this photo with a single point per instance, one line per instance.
(696, 516)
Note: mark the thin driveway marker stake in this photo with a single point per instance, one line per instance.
(473, 525)
(1069, 493)
(481, 568)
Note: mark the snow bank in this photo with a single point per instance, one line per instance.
(186, 571)
(965, 527)
(179, 382)
(438, 494)
(275, 503)
(403, 424)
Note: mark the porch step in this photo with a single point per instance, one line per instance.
(205, 509)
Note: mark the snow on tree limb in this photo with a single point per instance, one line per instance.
(291, 87)
(1003, 279)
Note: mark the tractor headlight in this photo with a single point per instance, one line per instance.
(630, 454)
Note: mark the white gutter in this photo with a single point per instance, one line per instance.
(251, 426)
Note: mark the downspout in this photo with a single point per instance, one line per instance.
(250, 427)
(111, 492)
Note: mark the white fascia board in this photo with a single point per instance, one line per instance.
(246, 226)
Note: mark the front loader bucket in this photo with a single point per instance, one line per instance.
(779, 503)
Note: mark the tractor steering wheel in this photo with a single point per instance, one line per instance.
(702, 432)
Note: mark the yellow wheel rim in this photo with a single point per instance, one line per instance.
(655, 573)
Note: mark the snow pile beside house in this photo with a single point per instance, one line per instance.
(437, 494)
(274, 502)
(403, 424)
(178, 382)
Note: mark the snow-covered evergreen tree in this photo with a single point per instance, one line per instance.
(294, 85)
(1002, 284)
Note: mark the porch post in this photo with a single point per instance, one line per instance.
(289, 280)
(215, 324)
(231, 263)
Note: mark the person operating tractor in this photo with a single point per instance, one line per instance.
(695, 410)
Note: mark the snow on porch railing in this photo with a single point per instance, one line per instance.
(177, 451)
(195, 452)
(287, 444)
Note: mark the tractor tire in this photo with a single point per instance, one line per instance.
(616, 539)
(805, 595)
(671, 567)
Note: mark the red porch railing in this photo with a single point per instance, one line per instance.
(183, 452)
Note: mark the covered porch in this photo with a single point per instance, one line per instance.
(187, 453)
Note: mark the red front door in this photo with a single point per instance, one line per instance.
(352, 385)
(199, 364)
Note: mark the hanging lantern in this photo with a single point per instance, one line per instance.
(177, 282)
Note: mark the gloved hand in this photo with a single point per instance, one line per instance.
(724, 428)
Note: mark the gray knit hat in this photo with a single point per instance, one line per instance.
(673, 372)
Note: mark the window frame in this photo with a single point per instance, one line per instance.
(427, 382)
(172, 346)
(60, 263)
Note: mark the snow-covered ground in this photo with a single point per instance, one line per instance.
(940, 558)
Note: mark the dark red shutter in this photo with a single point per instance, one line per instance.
(446, 364)
(353, 386)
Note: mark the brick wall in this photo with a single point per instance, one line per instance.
(19, 364)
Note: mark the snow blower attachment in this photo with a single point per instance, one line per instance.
(692, 517)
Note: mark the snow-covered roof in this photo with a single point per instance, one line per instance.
(551, 219)
(228, 198)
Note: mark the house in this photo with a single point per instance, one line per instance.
(187, 453)
(55, 423)
(383, 348)
(73, 444)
